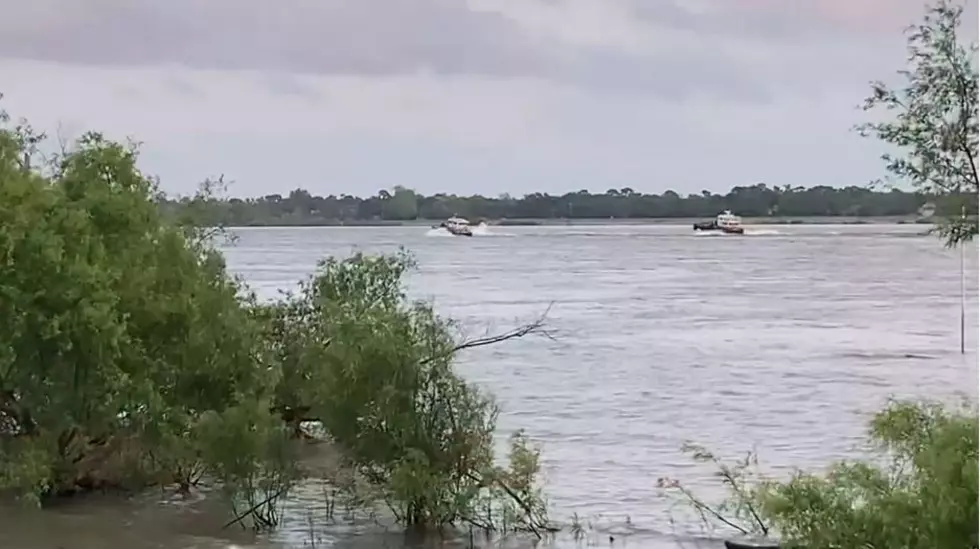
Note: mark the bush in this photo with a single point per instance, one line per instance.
(925, 496)
(117, 330)
(375, 369)
(918, 491)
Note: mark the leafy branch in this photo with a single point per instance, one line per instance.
(933, 125)
(741, 480)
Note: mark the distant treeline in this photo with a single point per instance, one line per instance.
(299, 207)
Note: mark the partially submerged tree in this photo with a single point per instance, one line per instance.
(375, 369)
(118, 332)
(933, 124)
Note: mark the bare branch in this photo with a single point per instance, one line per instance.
(240, 517)
(536, 327)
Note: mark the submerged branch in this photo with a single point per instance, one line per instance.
(532, 525)
(251, 510)
(703, 508)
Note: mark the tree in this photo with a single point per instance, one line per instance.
(934, 127)
(924, 496)
(120, 332)
(375, 369)
(401, 205)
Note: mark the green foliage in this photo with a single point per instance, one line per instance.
(252, 455)
(118, 330)
(918, 491)
(515, 493)
(934, 120)
(925, 496)
(401, 205)
(738, 510)
(375, 369)
(299, 207)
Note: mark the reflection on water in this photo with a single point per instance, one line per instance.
(784, 340)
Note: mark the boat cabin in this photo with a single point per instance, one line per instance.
(728, 220)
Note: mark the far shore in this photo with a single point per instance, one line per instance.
(811, 220)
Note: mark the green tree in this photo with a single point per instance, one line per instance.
(401, 205)
(119, 330)
(934, 124)
(375, 369)
(924, 496)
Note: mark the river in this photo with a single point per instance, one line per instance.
(783, 340)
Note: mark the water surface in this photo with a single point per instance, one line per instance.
(784, 340)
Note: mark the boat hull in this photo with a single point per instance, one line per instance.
(455, 231)
(714, 227)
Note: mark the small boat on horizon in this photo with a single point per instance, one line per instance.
(725, 222)
(456, 226)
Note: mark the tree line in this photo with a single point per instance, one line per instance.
(300, 207)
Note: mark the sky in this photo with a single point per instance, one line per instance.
(463, 96)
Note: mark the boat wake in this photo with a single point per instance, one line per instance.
(439, 233)
(709, 233)
(748, 232)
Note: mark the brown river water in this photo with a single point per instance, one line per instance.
(783, 340)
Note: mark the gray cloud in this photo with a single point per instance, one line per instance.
(676, 75)
(808, 46)
(764, 24)
(362, 37)
(182, 87)
(785, 21)
(325, 36)
(285, 84)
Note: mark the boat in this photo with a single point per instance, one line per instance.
(456, 226)
(725, 222)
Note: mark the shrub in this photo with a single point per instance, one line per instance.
(924, 496)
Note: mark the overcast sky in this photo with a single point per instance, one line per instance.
(463, 96)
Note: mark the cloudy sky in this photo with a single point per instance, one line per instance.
(463, 96)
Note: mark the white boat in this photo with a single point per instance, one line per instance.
(725, 222)
(457, 226)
